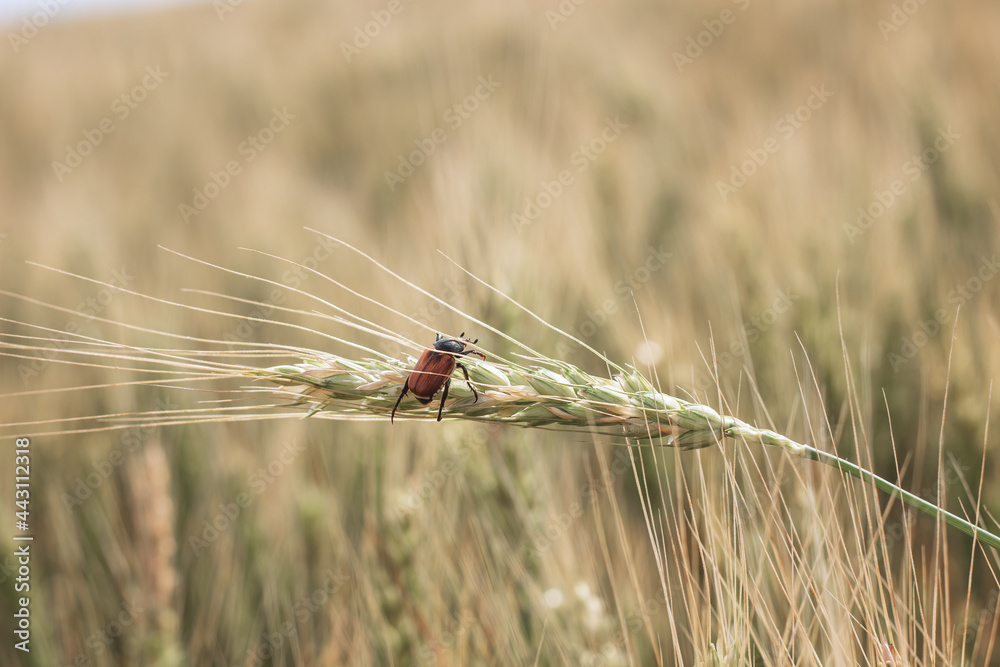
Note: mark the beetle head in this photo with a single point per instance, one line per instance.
(452, 345)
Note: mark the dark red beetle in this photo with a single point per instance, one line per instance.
(434, 369)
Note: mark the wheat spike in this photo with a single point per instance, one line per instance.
(557, 395)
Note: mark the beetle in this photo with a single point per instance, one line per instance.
(434, 369)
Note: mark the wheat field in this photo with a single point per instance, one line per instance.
(787, 212)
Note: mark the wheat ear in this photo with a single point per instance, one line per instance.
(557, 396)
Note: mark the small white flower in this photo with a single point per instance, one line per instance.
(649, 353)
(595, 613)
(553, 598)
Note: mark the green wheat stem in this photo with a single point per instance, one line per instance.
(896, 492)
(561, 396)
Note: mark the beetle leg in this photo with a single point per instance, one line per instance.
(444, 397)
(406, 388)
(468, 382)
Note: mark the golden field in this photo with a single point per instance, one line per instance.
(788, 212)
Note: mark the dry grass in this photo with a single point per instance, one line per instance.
(364, 544)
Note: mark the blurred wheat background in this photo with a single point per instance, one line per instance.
(571, 155)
